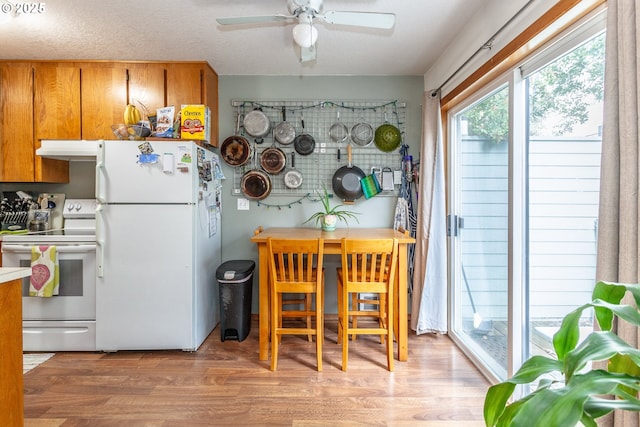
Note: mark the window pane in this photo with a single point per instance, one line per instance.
(565, 122)
(481, 303)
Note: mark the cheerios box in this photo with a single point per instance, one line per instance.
(195, 122)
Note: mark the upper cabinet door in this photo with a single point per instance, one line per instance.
(103, 97)
(210, 90)
(184, 84)
(56, 112)
(147, 86)
(57, 101)
(16, 122)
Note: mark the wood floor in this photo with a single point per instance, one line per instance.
(224, 384)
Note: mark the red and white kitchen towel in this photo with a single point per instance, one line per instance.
(45, 274)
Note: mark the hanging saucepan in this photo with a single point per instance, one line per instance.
(304, 143)
(362, 134)
(284, 132)
(346, 181)
(255, 184)
(273, 160)
(293, 177)
(339, 133)
(257, 124)
(236, 150)
(387, 136)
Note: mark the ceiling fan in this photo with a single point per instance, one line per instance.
(304, 12)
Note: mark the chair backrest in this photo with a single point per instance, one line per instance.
(296, 262)
(369, 264)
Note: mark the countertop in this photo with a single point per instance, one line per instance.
(8, 274)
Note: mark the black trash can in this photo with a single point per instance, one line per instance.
(236, 281)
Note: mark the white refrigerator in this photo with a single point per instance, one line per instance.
(158, 244)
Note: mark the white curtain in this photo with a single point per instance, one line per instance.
(619, 216)
(429, 298)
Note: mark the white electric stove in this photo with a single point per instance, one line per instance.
(65, 322)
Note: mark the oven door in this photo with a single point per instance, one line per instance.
(77, 290)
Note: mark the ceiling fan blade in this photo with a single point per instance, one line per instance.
(308, 53)
(254, 19)
(360, 19)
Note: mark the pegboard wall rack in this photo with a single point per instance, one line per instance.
(318, 167)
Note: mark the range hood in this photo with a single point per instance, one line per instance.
(72, 150)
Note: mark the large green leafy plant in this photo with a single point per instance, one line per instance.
(579, 395)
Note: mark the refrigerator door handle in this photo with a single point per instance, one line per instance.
(100, 172)
(99, 241)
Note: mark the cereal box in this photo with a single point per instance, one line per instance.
(195, 122)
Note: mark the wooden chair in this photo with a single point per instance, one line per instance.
(368, 266)
(296, 267)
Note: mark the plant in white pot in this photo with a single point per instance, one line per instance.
(329, 216)
(578, 395)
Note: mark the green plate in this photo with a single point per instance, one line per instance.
(387, 138)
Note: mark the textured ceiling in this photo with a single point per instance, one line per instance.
(187, 30)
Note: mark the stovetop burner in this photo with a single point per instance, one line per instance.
(79, 226)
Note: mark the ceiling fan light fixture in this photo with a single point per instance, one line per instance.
(305, 34)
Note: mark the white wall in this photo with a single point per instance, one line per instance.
(238, 226)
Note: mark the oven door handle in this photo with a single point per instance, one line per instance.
(70, 249)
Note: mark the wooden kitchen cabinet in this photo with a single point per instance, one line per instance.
(194, 83)
(103, 94)
(146, 85)
(56, 112)
(16, 122)
(11, 380)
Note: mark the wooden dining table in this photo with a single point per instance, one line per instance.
(332, 241)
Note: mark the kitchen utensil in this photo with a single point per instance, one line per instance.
(387, 137)
(304, 143)
(273, 160)
(284, 132)
(257, 124)
(387, 179)
(255, 184)
(362, 134)
(338, 132)
(346, 181)
(236, 150)
(293, 177)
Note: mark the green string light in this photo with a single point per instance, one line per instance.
(290, 204)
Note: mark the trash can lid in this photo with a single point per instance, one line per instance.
(235, 270)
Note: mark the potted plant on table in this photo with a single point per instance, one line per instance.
(329, 216)
(578, 397)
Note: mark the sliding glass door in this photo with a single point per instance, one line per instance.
(524, 177)
(479, 228)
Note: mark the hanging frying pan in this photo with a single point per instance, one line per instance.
(293, 177)
(235, 150)
(284, 132)
(346, 181)
(257, 124)
(255, 184)
(304, 143)
(273, 160)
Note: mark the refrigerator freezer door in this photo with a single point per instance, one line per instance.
(125, 174)
(145, 299)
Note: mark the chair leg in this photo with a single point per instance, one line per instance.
(340, 320)
(390, 325)
(319, 326)
(308, 305)
(276, 319)
(345, 327)
(382, 310)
